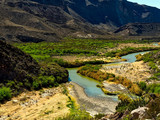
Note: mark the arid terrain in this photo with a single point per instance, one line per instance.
(136, 72)
(36, 105)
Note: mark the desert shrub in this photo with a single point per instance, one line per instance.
(154, 108)
(139, 57)
(142, 85)
(5, 94)
(99, 116)
(44, 81)
(124, 98)
(37, 85)
(135, 89)
(153, 88)
(128, 103)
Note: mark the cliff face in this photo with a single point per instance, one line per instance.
(113, 12)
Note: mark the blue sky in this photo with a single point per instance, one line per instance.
(154, 3)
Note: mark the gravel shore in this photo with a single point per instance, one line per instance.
(105, 105)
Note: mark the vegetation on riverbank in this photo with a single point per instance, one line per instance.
(94, 72)
(152, 58)
(76, 113)
(45, 51)
(151, 91)
(125, 51)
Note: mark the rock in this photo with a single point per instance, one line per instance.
(116, 116)
(15, 101)
(158, 115)
(139, 113)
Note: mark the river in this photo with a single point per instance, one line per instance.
(89, 84)
(89, 96)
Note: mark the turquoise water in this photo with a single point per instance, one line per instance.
(156, 44)
(131, 57)
(89, 84)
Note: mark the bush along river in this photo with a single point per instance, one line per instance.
(89, 95)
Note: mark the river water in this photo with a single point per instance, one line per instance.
(89, 84)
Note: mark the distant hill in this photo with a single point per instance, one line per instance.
(140, 29)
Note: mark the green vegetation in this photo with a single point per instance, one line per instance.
(5, 94)
(94, 72)
(75, 112)
(142, 85)
(127, 50)
(153, 88)
(45, 51)
(129, 104)
(20, 72)
(153, 59)
(49, 76)
(109, 92)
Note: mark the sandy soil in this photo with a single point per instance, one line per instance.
(46, 105)
(137, 71)
(93, 105)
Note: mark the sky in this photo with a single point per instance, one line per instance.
(154, 3)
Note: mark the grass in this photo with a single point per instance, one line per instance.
(128, 50)
(44, 51)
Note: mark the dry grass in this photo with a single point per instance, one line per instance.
(49, 107)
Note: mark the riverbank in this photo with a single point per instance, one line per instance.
(105, 105)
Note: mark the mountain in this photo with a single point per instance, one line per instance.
(139, 29)
(52, 20)
(28, 21)
(111, 12)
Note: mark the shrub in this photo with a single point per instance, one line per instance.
(124, 98)
(153, 88)
(128, 103)
(135, 89)
(142, 85)
(5, 94)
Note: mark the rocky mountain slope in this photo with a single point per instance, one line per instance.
(20, 71)
(110, 12)
(140, 29)
(28, 21)
(51, 20)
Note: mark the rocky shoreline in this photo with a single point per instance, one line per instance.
(105, 105)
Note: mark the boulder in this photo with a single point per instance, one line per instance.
(139, 113)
